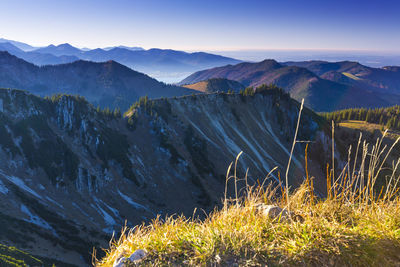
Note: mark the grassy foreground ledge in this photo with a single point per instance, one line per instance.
(333, 233)
(356, 224)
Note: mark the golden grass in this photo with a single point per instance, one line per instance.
(362, 125)
(199, 86)
(356, 224)
(351, 76)
(332, 233)
(369, 127)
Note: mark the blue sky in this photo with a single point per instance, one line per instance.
(206, 25)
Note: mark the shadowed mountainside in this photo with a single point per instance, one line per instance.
(107, 84)
(167, 156)
(382, 80)
(164, 64)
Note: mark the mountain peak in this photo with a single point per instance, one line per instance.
(19, 45)
(9, 47)
(131, 48)
(106, 84)
(66, 45)
(270, 62)
(5, 54)
(11, 63)
(60, 50)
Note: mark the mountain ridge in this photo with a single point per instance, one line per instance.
(107, 84)
(321, 93)
(109, 169)
(20, 45)
(384, 80)
(158, 63)
(34, 57)
(60, 50)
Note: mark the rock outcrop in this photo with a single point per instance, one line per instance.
(71, 175)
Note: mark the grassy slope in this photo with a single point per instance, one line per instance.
(369, 127)
(332, 233)
(357, 224)
(351, 76)
(200, 86)
(216, 84)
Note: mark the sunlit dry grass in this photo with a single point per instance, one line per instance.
(356, 224)
(351, 76)
(333, 232)
(369, 127)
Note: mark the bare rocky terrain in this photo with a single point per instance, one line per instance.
(70, 175)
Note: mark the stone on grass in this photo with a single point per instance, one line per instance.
(277, 213)
(119, 262)
(138, 255)
(273, 212)
(135, 257)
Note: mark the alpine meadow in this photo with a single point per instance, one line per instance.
(200, 133)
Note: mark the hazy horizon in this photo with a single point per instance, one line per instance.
(366, 57)
(206, 25)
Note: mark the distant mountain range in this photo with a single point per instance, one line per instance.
(36, 58)
(163, 64)
(135, 48)
(325, 86)
(19, 45)
(60, 50)
(107, 84)
(382, 80)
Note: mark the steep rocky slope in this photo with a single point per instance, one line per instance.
(70, 175)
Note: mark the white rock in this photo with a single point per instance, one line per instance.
(138, 255)
(277, 213)
(273, 212)
(120, 262)
(218, 259)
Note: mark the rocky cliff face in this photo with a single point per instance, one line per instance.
(70, 175)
